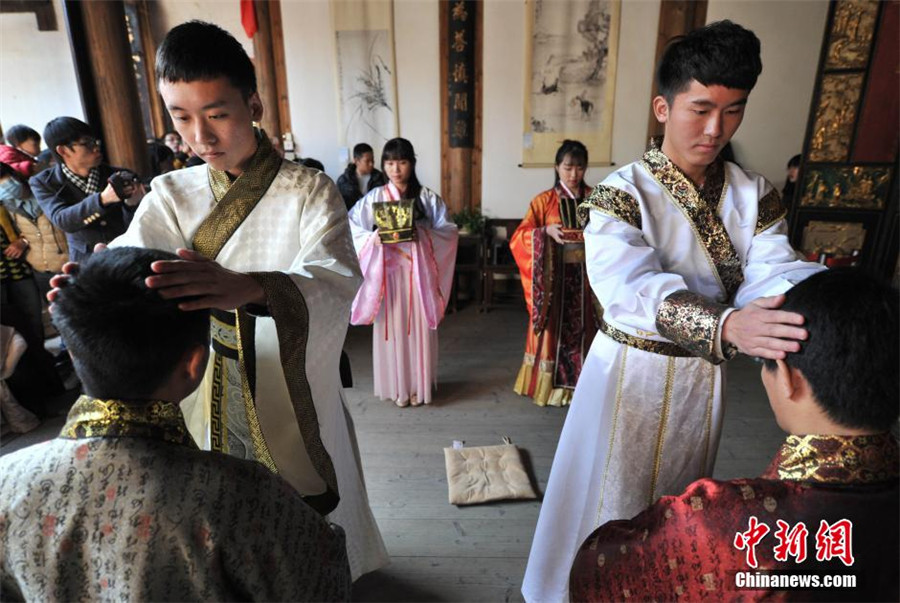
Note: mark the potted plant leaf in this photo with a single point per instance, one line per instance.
(469, 221)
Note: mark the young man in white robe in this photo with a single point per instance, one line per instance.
(265, 243)
(689, 256)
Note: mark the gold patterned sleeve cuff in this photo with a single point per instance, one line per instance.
(613, 202)
(770, 211)
(692, 321)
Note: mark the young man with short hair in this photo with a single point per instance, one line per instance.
(682, 250)
(122, 505)
(361, 175)
(837, 398)
(264, 243)
(75, 194)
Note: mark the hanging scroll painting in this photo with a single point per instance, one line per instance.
(366, 71)
(570, 77)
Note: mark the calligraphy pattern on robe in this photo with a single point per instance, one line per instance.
(123, 506)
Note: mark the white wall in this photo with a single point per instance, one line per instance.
(312, 88)
(166, 14)
(37, 73)
(775, 120)
(507, 189)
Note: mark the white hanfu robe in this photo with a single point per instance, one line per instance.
(298, 228)
(404, 294)
(668, 263)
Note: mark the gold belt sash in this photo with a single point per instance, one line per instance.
(663, 348)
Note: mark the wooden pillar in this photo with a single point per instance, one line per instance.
(268, 48)
(676, 18)
(461, 158)
(114, 87)
(158, 113)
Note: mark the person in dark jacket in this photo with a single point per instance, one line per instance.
(360, 176)
(76, 195)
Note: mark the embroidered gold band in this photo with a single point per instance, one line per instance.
(693, 321)
(96, 418)
(769, 211)
(839, 459)
(663, 348)
(613, 202)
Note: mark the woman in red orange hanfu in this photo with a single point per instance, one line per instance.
(563, 314)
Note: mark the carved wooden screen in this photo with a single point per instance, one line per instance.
(844, 210)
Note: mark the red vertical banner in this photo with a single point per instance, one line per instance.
(248, 17)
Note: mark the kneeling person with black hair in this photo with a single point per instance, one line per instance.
(830, 497)
(122, 505)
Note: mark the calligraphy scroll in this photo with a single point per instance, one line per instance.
(366, 71)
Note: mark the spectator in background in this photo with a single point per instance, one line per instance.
(162, 160)
(790, 183)
(43, 245)
(76, 194)
(172, 139)
(22, 151)
(360, 177)
(17, 284)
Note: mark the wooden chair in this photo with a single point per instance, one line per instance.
(498, 258)
(470, 261)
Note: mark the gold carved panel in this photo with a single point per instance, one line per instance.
(846, 187)
(836, 239)
(835, 116)
(851, 36)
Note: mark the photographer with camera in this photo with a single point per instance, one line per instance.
(90, 201)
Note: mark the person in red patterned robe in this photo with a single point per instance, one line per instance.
(827, 505)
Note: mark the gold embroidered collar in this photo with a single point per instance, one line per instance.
(701, 208)
(833, 459)
(95, 418)
(236, 199)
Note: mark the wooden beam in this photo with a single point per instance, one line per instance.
(281, 88)
(443, 45)
(676, 18)
(43, 10)
(158, 113)
(265, 69)
(115, 89)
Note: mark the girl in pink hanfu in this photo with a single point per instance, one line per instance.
(406, 283)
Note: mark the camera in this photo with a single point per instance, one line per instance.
(120, 180)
